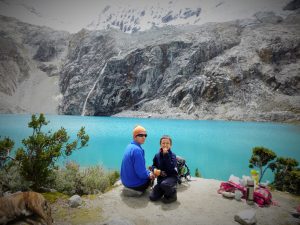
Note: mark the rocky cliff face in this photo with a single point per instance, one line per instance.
(246, 69)
(30, 58)
(13, 62)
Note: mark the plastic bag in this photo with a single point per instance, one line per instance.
(234, 179)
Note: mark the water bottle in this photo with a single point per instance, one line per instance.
(250, 192)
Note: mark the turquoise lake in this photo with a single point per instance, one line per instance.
(217, 148)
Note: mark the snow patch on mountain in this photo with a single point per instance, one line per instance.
(142, 15)
(133, 15)
(136, 16)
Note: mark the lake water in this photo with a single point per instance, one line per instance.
(217, 148)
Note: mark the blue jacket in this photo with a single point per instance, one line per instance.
(167, 163)
(133, 168)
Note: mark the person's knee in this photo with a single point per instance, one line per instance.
(155, 195)
(168, 184)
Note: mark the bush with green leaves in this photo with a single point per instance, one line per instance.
(71, 179)
(11, 179)
(113, 176)
(41, 150)
(262, 158)
(67, 180)
(6, 145)
(197, 173)
(95, 179)
(287, 175)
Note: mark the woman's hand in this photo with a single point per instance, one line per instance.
(165, 150)
(156, 172)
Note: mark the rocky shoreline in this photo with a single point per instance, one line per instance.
(279, 117)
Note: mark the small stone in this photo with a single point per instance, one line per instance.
(228, 194)
(246, 217)
(75, 201)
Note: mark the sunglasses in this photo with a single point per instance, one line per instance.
(141, 135)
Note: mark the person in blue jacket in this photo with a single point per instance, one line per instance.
(134, 174)
(165, 168)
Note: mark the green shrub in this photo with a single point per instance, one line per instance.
(91, 180)
(113, 177)
(68, 179)
(262, 158)
(6, 145)
(95, 179)
(11, 180)
(294, 182)
(41, 151)
(10, 177)
(197, 173)
(287, 175)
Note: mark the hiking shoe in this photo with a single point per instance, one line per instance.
(153, 199)
(295, 214)
(168, 200)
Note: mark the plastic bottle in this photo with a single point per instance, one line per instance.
(250, 192)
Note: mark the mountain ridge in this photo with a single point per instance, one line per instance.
(134, 15)
(239, 70)
(220, 70)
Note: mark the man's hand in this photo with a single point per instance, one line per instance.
(151, 176)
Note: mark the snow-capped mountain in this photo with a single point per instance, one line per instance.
(142, 15)
(133, 15)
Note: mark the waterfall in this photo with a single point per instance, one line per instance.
(90, 92)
